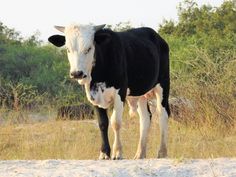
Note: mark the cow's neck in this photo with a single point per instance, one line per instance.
(87, 91)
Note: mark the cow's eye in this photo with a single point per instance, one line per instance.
(87, 51)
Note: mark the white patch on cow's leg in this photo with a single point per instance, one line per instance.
(103, 156)
(116, 119)
(158, 93)
(144, 116)
(163, 122)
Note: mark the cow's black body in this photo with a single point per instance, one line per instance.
(137, 59)
(133, 62)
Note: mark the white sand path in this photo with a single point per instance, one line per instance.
(221, 167)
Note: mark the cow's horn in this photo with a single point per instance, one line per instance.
(60, 28)
(96, 28)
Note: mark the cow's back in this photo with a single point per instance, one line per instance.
(143, 47)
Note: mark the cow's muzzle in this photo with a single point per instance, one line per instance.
(78, 75)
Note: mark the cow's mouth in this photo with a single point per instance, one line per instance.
(84, 80)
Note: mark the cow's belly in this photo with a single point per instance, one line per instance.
(143, 70)
(100, 95)
(133, 100)
(140, 84)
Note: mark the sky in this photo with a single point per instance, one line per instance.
(30, 16)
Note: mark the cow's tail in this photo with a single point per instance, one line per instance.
(164, 75)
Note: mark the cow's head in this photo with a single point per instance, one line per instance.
(80, 45)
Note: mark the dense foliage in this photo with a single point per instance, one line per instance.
(31, 73)
(203, 58)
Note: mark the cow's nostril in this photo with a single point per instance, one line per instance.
(77, 74)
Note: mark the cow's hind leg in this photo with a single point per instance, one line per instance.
(103, 123)
(116, 119)
(145, 119)
(163, 122)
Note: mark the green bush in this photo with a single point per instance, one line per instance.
(39, 69)
(203, 59)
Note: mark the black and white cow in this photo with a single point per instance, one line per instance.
(118, 66)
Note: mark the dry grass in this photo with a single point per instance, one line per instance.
(81, 140)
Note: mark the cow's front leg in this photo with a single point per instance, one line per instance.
(116, 119)
(103, 123)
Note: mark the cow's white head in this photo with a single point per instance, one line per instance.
(79, 42)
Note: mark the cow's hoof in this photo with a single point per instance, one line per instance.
(117, 153)
(162, 153)
(117, 156)
(139, 156)
(103, 156)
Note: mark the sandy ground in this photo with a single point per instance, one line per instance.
(220, 167)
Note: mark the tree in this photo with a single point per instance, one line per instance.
(122, 26)
(202, 20)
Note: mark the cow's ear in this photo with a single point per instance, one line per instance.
(102, 38)
(57, 40)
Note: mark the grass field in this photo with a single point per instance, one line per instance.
(81, 140)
